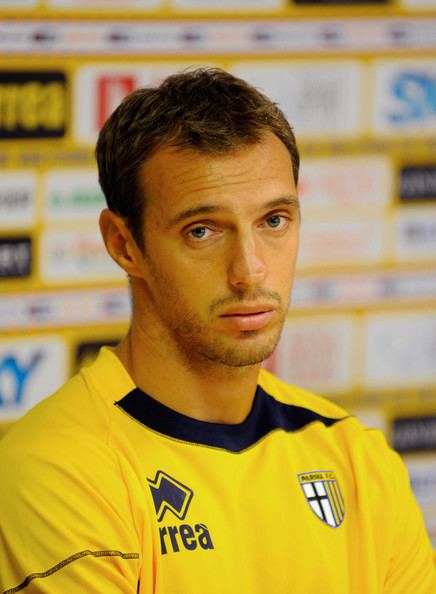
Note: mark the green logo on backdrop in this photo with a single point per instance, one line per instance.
(79, 199)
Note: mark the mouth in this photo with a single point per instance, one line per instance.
(247, 318)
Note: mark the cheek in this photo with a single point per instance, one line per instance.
(282, 275)
(186, 287)
(283, 262)
(288, 256)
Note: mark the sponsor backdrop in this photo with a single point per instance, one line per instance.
(358, 82)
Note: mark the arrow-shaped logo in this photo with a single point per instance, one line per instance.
(169, 494)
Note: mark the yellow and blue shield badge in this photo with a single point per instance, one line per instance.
(323, 494)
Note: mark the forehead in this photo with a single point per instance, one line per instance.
(175, 179)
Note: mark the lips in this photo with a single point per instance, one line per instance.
(246, 318)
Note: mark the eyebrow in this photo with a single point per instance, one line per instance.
(290, 200)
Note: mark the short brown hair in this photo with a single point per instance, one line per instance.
(206, 109)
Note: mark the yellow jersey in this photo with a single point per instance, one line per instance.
(105, 490)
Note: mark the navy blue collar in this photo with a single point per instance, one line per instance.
(267, 415)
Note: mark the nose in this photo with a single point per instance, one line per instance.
(247, 267)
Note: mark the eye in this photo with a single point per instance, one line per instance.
(274, 221)
(277, 222)
(200, 233)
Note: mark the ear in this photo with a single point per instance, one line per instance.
(119, 242)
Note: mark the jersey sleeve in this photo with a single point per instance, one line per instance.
(412, 564)
(66, 522)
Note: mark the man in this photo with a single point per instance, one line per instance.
(174, 464)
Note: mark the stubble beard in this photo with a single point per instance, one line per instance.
(242, 354)
(195, 340)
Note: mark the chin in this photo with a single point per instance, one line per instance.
(242, 355)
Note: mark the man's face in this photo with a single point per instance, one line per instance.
(221, 239)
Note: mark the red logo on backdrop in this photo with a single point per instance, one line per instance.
(111, 90)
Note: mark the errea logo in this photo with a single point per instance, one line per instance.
(169, 495)
(173, 498)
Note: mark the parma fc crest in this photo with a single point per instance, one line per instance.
(323, 494)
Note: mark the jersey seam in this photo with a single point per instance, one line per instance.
(132, 514)
(67, 561)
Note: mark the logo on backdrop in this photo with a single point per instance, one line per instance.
(30, 369)
(33, 104)
(18, 373)
(415, 92)
(111, 90)
(17, 198)
(418, 182)
(15, 257)
(414, 434)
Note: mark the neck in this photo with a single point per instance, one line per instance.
(199, 388)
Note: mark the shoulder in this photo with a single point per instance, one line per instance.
(288, 394)
(60, 457)
(70, 415)
(365, 446)
(61, 478)
(379, 474)
(76, 419)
